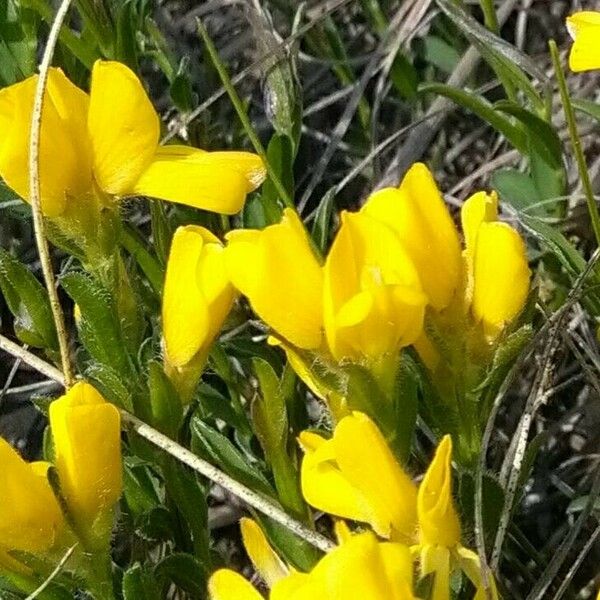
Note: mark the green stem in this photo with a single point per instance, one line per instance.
(490, 17)
(239, 108)
(576, 141)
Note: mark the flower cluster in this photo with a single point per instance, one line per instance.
(41, 518)
(106, 143)
(354, 475)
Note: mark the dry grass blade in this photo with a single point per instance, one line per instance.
(34, 191)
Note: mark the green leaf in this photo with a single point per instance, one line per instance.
(406, 390)
(126, 50)
(132, 242)
(404, 76)
(28, 301)
(492, 503)
(509, 63)
(518, 189)
(185, 571)
(181, 91)
(218, 449)
(588, 107)
(439, 53)
(294, 550)
(269, 415)
(98, 326)
(112, 385)
(138, 487)
(167, 412)
(322, 223)
(541, 136)
(139, 584)
(189, 498)
(280, 154)
(18, 42)
(483, 109)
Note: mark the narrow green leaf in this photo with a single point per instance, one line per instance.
(189, 498)
(99, 328)
(219, 450)
(140, 584)
(483, 109)
(185, 571)
(28, 302)
(322, 224)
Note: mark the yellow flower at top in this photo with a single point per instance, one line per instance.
(373, 300)
(197, 294)
(109, 139)
(278, 271)
(490, 277)
(496, 259)
(417, 213)
(584, 28)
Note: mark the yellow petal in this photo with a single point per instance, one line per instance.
(324, 486)
(398, 566)
(470, 564)
(438, 521)
(87, 444)
(500, 276)
(215, 181)
(584, 28)
(418, 214)
(436, 560)
(268, 564)
(65, 160)
(30, 517)
(353, 571)
(229, 585)
(197, 294)
(373, 303)
(477, 209)
(368, 464)
(123, 126)
(278, 272)
(296, 586)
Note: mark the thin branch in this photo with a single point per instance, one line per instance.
(34, 191)
(252, 498)
(257, 501)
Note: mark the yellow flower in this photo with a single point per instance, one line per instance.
(87, 446)
(229, 585)
(439, 529)
(373, 302)
(584, 28)
(361, 568)
(30, 516)
(265, 560)
(110, 139)
(355, 475)
(276, 269)
(417, 213)
(197, 295)
(496, 257)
